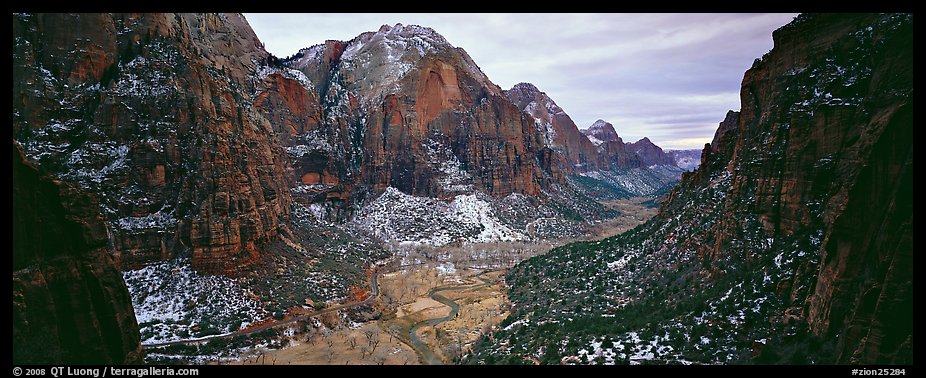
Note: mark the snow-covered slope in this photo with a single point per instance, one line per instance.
(600, 132)
(173, 302)
(475, 217)
(386, 56)
(399, 217)
(646, 181)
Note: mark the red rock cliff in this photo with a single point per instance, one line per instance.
(154, 113)
(403, 108)
(824, 141)
(70, 303)
(576, 152)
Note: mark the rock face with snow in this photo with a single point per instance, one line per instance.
(70, 304)
(600, 132)
(577, 152)
(155, 113)
(597, 159)
(827, 136)
(402, 108)
(611, 148)
(791, 243)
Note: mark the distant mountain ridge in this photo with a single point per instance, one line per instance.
(598, 160)
(559, 131)
(688, 160)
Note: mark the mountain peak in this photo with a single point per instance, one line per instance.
(384, 57)
(533, 101)
(526, 87)
(602, 126)
(600, 132)
(398, 41)
(386, 28)
(651, 153)
(409, 31)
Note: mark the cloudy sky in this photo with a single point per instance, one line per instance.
(671, 77)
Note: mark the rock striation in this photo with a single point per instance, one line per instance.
(823, 141)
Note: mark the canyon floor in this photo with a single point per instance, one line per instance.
(634, 212)
(386, 340)
(410, 298)
(405, 295)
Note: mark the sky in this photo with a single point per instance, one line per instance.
(669, 77)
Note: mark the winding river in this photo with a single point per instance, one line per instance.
(428, 357)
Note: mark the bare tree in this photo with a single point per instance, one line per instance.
(460, 337)
(371, 334)
(379, 358)
(329, 347)
(403, 288)
(329, 353)
(414, 288)
(352, 342)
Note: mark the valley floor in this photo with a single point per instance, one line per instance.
(387, 340)
(449, 296)
(633, 212)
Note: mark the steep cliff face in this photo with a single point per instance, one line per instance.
(792, 242)
(722, 141)
(824, 141)
(401, 107)
(849, 107)
(560, 133)
(155, 114)
(70, 304)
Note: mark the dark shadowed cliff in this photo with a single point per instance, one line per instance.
(70, 304)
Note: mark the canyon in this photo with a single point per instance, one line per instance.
(762, 254)
(214, 175)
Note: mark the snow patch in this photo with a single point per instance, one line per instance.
(173, 302)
